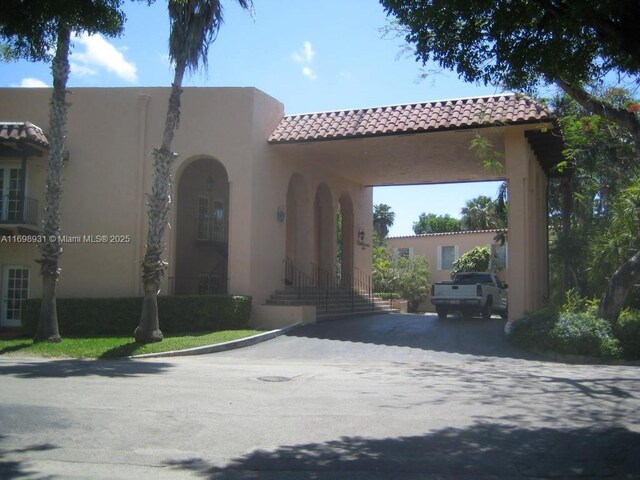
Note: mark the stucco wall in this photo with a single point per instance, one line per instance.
(111, 133)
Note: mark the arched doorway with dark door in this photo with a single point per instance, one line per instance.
(202, 238)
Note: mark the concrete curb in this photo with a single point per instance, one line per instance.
(221, 347)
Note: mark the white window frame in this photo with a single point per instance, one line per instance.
(492, 247)
(5, 294)
(456, 255)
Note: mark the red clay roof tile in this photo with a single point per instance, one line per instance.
(23, 132)
(420, 117)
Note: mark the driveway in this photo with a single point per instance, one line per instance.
(384, 397)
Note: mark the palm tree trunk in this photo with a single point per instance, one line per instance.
(620, 286)
(51, 248)
(158, 207)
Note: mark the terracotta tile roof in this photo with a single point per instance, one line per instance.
(416, 117)
(23, 132)
(462, 232)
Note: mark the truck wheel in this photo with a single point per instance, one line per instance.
(504, 315)
(488, 309)
(442, 312)
(467, 313)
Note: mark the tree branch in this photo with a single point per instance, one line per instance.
(623, 118)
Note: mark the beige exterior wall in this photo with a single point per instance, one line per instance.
(429, 245)
(111, 133)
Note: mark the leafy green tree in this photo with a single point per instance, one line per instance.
(412, 279)
(521, 44)
(601, 166)
(475, 260)
(383, 219)
(40, 30)
(382, 272)
(432, 223)
(194, 27)
(406, 276)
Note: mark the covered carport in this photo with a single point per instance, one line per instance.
(429, 143)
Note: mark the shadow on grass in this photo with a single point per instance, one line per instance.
(13, 467)
(120, 351)
(15, 348)
(478, 451)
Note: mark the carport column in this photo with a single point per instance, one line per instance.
(516, 163)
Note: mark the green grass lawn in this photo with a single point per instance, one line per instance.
(114, 347)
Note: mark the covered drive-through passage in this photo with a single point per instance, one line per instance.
(428, 143)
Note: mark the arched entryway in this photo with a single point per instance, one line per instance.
(202, 237)
(345, 240)
(298, 242)
(323, 236)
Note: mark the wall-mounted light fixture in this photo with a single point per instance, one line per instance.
(280, 215)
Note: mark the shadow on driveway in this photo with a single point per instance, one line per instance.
(483, 450)
(81, 368)
(10, 468)
(473, 336)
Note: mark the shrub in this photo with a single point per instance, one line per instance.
(387, 295)
(411, 280)
(120, 316)
(584, 334)
(627, 331)
(568, 333)
(475, 260)
(532, 332)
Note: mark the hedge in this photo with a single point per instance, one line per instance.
(120, 316)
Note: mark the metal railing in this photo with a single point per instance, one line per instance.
(327, 288)
(18, 209)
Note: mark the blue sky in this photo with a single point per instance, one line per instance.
(312, 56)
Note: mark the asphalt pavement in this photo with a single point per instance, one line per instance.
(380, 397)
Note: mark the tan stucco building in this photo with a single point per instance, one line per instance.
(442, 249)
(254, 190)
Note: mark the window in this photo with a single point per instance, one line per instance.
(10, 201)
(498, 256)
(15, 291)
(202, 232)
(210, 221)
(447, 255)
(218, 221)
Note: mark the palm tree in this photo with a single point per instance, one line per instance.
(28, 29)
(194, 27)
(383, 219)
(479, 213)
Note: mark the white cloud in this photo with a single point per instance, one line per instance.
(82, 70)
(100, 54)
(309, 73)
(30, 83)
(305, 55)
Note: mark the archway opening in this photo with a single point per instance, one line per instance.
(345, 240)
(324, 237)
(202, 238)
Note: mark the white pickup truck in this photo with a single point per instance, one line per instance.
(470, 293)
